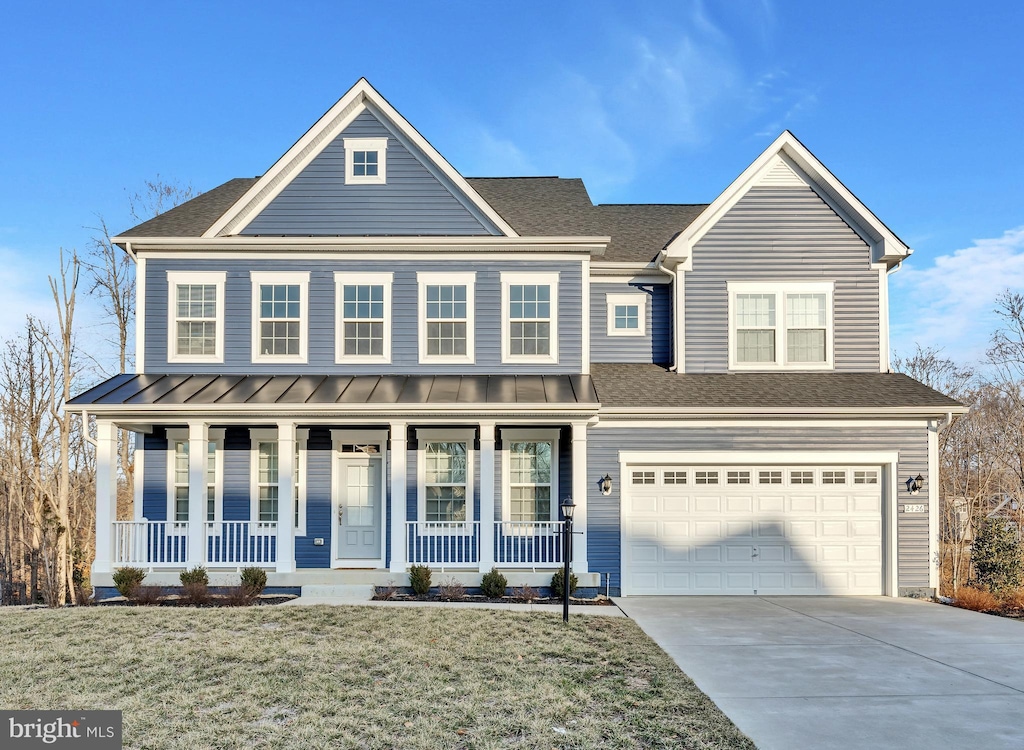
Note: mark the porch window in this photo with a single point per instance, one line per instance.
(178, 505)
(446, 482)
(530, 475)
(266, 482)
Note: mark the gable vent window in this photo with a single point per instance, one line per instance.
(366, 161)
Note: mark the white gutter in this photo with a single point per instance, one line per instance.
(472, 242)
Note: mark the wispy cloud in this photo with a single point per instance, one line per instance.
(949, 305)
(25, 293)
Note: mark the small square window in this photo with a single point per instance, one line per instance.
(643, 477)
(737, 477)
(366, 161)
(705, 477)
(627, 314)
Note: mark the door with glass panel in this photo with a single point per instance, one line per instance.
(357, 507)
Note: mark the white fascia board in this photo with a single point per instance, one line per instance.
(595, 245)
(316, 139)
(419, 410)
(886, 245)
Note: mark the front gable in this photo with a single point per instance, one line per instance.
(310, 190)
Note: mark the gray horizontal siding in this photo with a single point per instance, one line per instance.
(405, 327)
(604, 445)
(417, 199)
(652, 347)
(782, 234)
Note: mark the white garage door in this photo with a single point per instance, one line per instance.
(752, 530)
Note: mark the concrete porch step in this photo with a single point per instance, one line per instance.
(350, 591)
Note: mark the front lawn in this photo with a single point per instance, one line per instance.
(340, 677)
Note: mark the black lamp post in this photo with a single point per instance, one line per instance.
(568, 507)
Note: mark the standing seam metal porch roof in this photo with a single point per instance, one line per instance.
(321, 390)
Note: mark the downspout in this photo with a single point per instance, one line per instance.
(672, 306)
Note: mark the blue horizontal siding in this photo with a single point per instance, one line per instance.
(405, 321)
(417, 198)
(654, 346)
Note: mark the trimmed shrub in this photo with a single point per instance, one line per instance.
(976, 600)
(419, 579)
(237, 596)
(995, 555)
(557, 585)
(254, 580)
(195, 594)
(128, 579)
(194, 575)
(148, 596)
(493, 584)
(451, 591)
(525, 593)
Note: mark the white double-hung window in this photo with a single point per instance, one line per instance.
(445, 469)
(264, 476)
(195, 324)
(446, 317)
(780, 326)
(530, 469)
(280, 316)
(363, 331)
(177, 479)
(529, 320)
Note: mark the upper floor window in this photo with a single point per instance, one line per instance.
(446, 313)
(280, 319)
(627, 314)
(777, 326)
(363, 332)
(195, 326)
(529, 305)
(366, 161)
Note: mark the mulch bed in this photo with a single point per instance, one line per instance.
(600, 601)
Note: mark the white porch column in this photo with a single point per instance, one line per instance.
(106, 495)
(580, 488)
(197, 449)
(399, 466)
(486, 496)
(285, 497)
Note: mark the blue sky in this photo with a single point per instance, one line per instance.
(917, 107)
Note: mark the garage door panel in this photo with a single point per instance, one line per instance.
(769, 530)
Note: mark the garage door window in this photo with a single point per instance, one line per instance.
(643, 477)
(833, 477)
(801, 477)
(705, 477)
(675, 477)
(737, 477)
(769, 477)
(865, 477)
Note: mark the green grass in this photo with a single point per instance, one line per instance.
(357, 677)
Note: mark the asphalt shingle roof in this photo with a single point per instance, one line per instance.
(653, 386)
(534, 206)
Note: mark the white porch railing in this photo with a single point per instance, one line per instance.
(150, 543)
(157, 544)
(234, 543)
(442, 543)
(528, 544)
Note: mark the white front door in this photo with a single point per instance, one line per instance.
(358, 500)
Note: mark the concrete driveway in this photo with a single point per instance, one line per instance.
(848, 672)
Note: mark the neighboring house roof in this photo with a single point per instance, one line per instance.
(212, 391)
(653, 387)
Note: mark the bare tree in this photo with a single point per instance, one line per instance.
(157, 196)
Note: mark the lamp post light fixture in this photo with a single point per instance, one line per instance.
(568, 507)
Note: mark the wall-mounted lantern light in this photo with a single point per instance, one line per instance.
(914, 484)
(606, 485)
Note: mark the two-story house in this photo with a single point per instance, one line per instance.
(363, 360)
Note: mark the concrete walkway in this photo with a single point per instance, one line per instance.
(848, 672)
